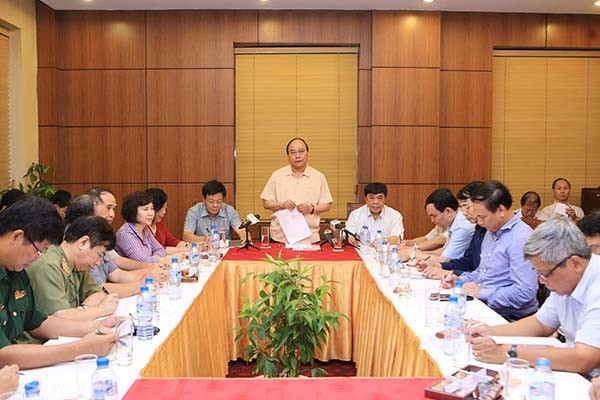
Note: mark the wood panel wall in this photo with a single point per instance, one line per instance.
(132, 99)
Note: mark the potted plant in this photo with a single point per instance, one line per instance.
(288, 320)
(38, 185)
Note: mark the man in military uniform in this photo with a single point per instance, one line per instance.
(26, 230)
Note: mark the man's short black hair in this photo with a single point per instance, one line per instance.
(590, 224)
(554, 182)
(493, 194)
(61, 198)
(468, 191)
(80, 206)
(287, 146)
(131, 203)
(37, 217)
(96, 228)
(159, 197)
(375, 188)
(441, 199)
(10, 197)
(213, 187)
(531, 198)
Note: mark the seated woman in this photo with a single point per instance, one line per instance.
(134, 238)
(167, 240)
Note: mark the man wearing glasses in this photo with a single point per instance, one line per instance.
(564, 263)
(60, 278)
(26, 230)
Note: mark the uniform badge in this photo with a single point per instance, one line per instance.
(19, 294)
(64, 266)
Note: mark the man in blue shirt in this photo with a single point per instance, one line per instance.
(504, 280)
(562, 260)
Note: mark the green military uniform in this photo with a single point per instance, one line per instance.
(18, 310)
(57, 286)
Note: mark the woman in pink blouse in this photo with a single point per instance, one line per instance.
(134, 238)
(158, 228)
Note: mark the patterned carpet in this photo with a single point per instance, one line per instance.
(241, 369)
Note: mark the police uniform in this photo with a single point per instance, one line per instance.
(18, 310)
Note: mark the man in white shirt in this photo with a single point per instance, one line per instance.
(561, 206)
(376, 215)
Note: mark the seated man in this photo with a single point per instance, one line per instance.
(61, 200)
(442, 208)
(376, 215)
(26, 230)
(212, 211)
(530, 204)
(504, 279)
(590, 226)
(60, 280)
(561, 190)
(564, 262)
(432, 242)
(10, 197)
(111, 278)
(470, 260)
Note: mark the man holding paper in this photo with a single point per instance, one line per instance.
(565, 264)
(299, 187)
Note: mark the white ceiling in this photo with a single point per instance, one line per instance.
(533, 6)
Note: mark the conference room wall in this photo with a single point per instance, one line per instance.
(423, 76)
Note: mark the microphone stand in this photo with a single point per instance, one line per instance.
(247, 244)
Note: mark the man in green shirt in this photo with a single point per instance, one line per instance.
(60, 279)
(27, 228)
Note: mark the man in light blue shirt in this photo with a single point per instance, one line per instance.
(565, 264)
(376, 215)
(212, 211)
(504, 280)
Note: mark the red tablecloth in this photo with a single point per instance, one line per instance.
(326, 253)
(280, 389)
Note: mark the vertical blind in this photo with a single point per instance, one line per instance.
(4, 125)
(546, 122)
(281, 96)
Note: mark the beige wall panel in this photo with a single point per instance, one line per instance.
(190, 154)
(405, 96)
(593, 132)
(190, 97)
(410, 201)
(466, 99)
(405, 154)
(406, 39)
(46, 35)
(47, 79)
(498, 118)
(197, 39)
(364, 154)
(464, 154)
(364, 97)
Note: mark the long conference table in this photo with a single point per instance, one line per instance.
(384, 335)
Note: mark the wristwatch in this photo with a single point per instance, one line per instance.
(84, 307)
(512, 352)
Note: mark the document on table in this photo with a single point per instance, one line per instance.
(561, 209)
(527, 340)
(293, 224)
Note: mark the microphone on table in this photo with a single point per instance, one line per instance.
(329, 237)
(335, 224)
(251, 219)
(354, 235)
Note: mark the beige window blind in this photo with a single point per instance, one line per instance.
(280, 96)
(546, 121)
(4, 126)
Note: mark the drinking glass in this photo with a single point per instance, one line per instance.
(404, 283)
(85, 365)
(265, 236)
(432, 307)
(338, 240)
(516, 376)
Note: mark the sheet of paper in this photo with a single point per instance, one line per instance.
(527, 340)
(306, 247)
(61, 340)
(561, 209)
(294, 225)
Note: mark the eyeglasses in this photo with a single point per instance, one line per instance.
(545, 277)
(40, 252)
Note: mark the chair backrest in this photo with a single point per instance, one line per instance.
(351, 207)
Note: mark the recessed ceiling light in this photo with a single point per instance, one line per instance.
(263, 1)
(87, 1)
(597, 3)
(431, 1)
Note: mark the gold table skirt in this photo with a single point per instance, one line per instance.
(374, 336)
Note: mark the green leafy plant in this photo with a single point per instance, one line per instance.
(288, 321)
(35, 181)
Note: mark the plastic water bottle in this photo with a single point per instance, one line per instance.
(194, 260)
(541, 382)
(365, 240)
(382, 258)
(144, 314)
(461, 296)
(104, 381)
(174, 280)
(452, 324)
(32, 390)
(378, 240)
(155, 296)
(215, 247)
(395, 266)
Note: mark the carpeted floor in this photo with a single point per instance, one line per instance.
(241, 369)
